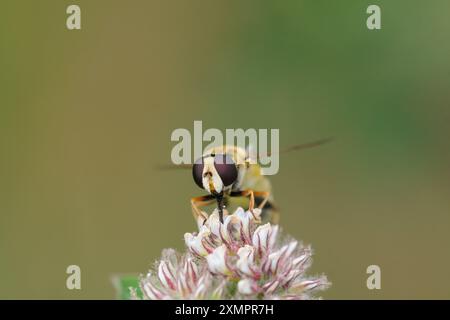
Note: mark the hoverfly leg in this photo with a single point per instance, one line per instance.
(251, 194)
(198, 202)
(264, 195)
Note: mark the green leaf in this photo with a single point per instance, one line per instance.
(122, 283)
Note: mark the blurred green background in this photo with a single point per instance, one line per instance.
(86, 116)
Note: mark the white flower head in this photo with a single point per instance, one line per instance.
(239, 254)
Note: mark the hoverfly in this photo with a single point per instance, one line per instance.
(226, 173)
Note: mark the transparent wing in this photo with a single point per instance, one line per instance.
(298, 147)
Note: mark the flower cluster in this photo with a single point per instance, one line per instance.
(235, 260)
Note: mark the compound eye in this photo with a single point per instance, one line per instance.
(226, 168)
(197, 172)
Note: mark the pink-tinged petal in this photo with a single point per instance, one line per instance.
(202, 287)
(248, 287)
(270, 287)
(165, 275)
(273, 261)
(246, 262)
(277, 260)
(288, 277)
(191, 271)
(264, 238)
(208, 244)
(291, 247)
(244, 222)
(256, 215)
(196, 243)
(260, 238)
(183, 286)
(225, 233)
(273, 237)
(217, 261)
(151, 292)
(302, 262)
(200, 291)
(214, 224)
(309, 285)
